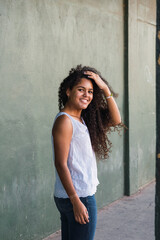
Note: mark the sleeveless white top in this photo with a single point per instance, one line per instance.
(81, 162)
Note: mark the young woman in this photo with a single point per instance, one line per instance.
(87, 112)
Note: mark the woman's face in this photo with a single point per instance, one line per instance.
(81, 94)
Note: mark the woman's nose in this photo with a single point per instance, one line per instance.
(85, 93)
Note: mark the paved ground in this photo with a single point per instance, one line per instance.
(130, 218)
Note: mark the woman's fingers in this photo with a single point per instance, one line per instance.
(90, 74)
(80, 212)
(79, 220)
(101, 84)
(82, 218)
(87, 216)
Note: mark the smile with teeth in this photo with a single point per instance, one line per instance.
(84, 100)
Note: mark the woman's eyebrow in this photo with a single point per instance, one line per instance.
(84, 87)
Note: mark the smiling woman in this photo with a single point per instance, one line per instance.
(80, 96)
(87, 112)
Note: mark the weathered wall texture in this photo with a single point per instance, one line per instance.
(39, 42)
(142, 32)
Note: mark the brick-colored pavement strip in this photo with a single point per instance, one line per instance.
(130, 218)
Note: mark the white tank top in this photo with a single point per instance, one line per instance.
(81, 162)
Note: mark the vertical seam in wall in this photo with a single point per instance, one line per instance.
(126, 103)
(157, 197)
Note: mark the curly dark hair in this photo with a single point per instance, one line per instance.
(96, 115)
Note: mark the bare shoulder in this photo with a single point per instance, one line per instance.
(62, 125)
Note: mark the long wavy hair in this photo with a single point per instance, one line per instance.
(96, 115)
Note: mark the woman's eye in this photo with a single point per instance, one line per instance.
(82, 90)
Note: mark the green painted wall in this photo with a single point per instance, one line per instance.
(39, 42)
(142, 118)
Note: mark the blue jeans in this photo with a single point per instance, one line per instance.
(72, 230)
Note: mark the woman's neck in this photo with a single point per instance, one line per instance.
(73, 112)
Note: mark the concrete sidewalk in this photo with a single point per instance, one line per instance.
(130, 218)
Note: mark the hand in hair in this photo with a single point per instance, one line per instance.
(98, 80)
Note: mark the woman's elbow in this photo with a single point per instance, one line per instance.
(117, 122)
(60, 166)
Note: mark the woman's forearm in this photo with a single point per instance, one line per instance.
(80, 211)
(113, 108)
(66, 179)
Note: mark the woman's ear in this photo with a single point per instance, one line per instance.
(68, 92)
